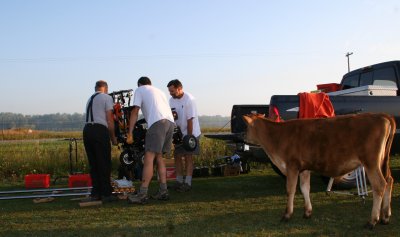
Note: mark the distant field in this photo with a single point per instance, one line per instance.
(28, 134)
(75, 122)
(23, 151)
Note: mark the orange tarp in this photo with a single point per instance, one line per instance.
(315, 105)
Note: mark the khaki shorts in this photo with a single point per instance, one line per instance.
(179, 150)
(159, 136)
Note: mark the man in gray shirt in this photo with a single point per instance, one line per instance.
(97, 133)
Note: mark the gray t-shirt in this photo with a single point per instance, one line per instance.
(101, 104)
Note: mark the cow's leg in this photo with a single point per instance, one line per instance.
(305, 190)
(386, 202)
(378, 185)
(291, 183)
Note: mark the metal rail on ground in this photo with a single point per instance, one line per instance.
(44, 193)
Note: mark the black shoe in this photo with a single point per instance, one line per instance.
(176, 185)
(110, 198)
(164, 196)
(184, 188)
(139, 198)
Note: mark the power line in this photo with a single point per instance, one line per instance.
(147, 57)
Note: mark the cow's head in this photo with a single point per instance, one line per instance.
(250, 128)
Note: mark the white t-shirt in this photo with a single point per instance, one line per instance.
(186, 109)
(153, 103)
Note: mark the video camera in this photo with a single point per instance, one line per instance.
(132, 155)
(189, 142)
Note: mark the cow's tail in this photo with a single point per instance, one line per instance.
(392, 131)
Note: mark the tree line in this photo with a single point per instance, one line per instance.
(76, 121)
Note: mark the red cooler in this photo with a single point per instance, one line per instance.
(37, 181)
(79, 180)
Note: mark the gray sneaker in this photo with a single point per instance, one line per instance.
(139, 198)
(176, 185)
(161, 195)
(184, 188)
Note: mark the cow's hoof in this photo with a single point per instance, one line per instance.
(307, 216)
(384, 221)
(369, 226)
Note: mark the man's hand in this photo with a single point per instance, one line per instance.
(114, 141)
(111, 130)
(129, 138)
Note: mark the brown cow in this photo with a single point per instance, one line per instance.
(331, 147)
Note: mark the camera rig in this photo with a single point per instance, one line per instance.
(132, 155)
(188, 142)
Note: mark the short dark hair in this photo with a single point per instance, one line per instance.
(144, 81)
(100, 84)
(176, 83)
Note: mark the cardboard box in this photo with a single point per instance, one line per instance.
(201, 171)
(37, 181)
(171, 174)
(330, 87)
(79, 180)
(217, 170)
(231, 170)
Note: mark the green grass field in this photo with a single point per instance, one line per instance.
(245, 205)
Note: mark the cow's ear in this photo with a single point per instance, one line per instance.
(248, 120)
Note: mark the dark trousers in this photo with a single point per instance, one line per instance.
(96, 139)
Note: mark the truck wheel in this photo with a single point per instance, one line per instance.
(347, 181)
(245, 167)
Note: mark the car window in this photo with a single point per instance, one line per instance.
(385, 77)
(366, 78)
(350, 82)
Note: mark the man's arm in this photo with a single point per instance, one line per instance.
(132, 121)
(191, 113)
(111, 129)
(190, 126)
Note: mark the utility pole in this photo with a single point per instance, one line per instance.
(2, 127)
(348, 60)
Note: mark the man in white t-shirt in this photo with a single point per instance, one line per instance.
(186, 118)
(154, 105)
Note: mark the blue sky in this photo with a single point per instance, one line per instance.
(225, 52)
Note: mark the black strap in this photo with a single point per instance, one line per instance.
(90, 107)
